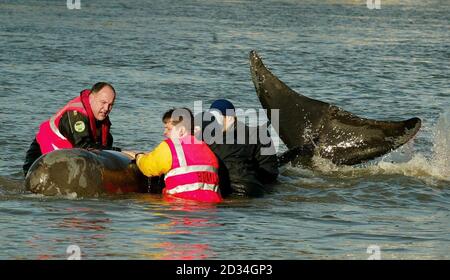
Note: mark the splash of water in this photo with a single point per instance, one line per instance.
(441, 147)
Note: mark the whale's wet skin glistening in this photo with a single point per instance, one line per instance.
(84, 174)
(324, 129)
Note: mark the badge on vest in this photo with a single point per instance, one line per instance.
(79, 126)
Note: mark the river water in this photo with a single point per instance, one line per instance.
(389, 64)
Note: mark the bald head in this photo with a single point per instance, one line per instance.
(102, 99)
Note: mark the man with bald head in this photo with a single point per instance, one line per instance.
(82, 123)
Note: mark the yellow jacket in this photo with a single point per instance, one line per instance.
(156, 162)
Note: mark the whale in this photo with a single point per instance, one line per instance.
(85, 173)
(310, 127)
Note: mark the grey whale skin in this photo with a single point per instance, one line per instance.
(311, 127)
(86, 173)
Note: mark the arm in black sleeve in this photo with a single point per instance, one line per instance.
(266, 158)
(110, 144)
(75, 127)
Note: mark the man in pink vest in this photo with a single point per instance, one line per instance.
(189, 166)
(82, 123)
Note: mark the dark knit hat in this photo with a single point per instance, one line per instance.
(223, 106)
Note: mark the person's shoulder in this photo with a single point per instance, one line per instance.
(75, 119)
(163, 145)
(75, 115)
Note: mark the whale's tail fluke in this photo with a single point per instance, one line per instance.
(333, 133)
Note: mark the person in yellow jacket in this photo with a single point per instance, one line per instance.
(189, 165)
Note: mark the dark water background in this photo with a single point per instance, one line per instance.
(391, 63)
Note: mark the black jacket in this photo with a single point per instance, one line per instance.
(82, 138)
(247, 165)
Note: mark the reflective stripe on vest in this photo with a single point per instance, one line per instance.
(193, 187)
(188, 169)
(185, 169)
(52, 121)
(180, 153)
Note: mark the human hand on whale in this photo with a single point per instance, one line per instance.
(131, 154)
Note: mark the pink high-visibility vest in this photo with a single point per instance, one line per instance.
(50, 138)
(194, 171)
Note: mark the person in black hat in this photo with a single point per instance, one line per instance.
(244, 170)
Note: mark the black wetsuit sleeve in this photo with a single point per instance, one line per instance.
(110, 144)
(267, 161)
(75, 127)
